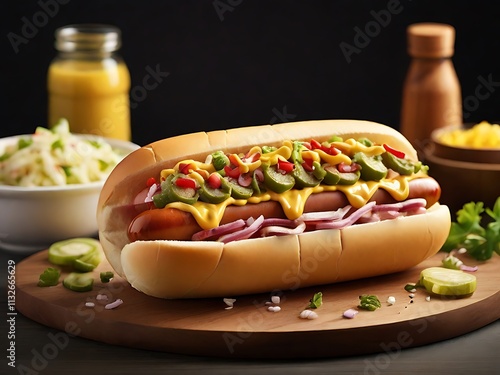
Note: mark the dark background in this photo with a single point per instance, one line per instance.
(254, 62)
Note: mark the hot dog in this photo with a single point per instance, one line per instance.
(223, 240)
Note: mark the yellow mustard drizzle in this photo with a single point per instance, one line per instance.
(351, 146)
(209, 215)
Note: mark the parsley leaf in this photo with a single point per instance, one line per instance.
(316, 301)
(467, 232)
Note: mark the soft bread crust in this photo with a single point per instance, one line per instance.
(128, 177)
(185, 269)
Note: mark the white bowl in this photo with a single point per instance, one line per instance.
(32, 218)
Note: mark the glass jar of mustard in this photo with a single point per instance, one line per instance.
(88, 82)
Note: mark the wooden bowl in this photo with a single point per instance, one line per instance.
(459, 153)
(462, 182)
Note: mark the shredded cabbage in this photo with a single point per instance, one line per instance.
(55, 157)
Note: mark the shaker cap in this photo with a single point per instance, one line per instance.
(431, 40)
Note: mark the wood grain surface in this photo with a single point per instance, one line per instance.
(249, 330)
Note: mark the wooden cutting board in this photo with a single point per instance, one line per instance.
(249, 330)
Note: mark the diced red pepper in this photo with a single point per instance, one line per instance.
(396, 153)
(330, 149)
(232, 172)
(307, 164)
(344, 168)
(285, 166)
(214, 181)
(186, 183)
(307, 145)
(185, 168)
(315, 145)
(151, 181)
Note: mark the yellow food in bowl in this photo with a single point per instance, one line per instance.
(482, 135)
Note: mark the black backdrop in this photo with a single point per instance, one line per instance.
(233, 63)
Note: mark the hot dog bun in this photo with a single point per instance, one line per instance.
(185, 269)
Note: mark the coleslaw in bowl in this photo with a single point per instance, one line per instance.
(50, 184)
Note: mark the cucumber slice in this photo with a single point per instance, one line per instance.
(88, 262)
(276, 181)
(302, 178)
(447, 282)
(65, 253)
(372, 169)
(79, 282)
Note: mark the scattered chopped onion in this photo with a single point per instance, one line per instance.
(229, 302)
(276, 300)
(274, 308)
(308, 314)
(465, 268)
(89, 304)
(114, 304)
(391, 300)
(350, 313)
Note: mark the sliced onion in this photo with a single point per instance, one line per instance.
(259, 174)
(388, 207)
(218, 231)
(413, 204)
(245, 179)
(243, 233)
(388, 215)
(152, 191)
(280, 222)
(141, 196)
(277, 230)
(325, 215)
(351, 219)
(418, 211)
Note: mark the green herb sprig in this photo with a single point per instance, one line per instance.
(369, 302)
(481, 242)
(316, 301)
